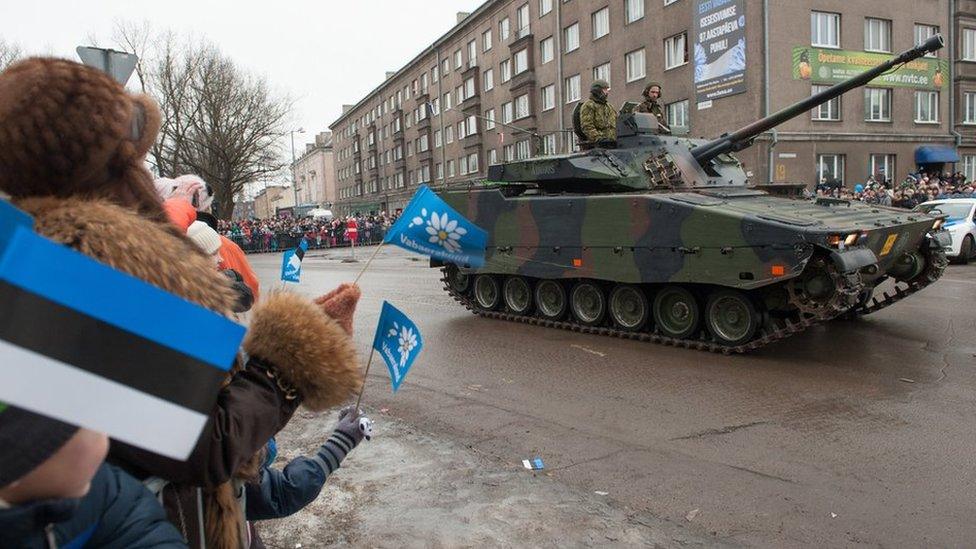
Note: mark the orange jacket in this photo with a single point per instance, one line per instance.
(183, 214)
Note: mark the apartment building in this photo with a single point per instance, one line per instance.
(314, 174)
(503, 82)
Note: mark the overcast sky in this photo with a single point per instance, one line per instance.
(323, 53)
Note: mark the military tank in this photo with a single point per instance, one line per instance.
(661, 238)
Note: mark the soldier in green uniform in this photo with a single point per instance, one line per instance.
(598, 118)
(652, 93)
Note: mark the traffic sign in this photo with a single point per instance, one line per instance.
(118, 64)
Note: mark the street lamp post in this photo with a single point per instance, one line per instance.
(294, 183)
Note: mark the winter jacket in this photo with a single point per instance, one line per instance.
(117, 512)
(598, 119)
(298, 355)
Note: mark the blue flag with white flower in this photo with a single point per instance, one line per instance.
(291, 262)
(398, 342)
(430, 227)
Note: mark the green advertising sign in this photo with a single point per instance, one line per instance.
(827, 66)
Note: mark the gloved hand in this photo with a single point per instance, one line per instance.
(352, 428)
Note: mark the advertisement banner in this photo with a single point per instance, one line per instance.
(719, 49)
(828, 66)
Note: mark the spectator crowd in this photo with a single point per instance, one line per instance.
(915, 189)
(270, 235)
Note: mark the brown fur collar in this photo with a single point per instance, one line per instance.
(154, 252)
(310, 350)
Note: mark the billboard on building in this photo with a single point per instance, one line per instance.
(719, 49)
(828, 66)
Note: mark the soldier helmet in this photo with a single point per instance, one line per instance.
(600, 84)
(648, 87)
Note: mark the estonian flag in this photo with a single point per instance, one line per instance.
(95, 347)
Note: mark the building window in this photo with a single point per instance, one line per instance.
(877, 35)
(506, 68)
(549, 97)
(678, 114)
(521, 58)
(830, 167)
(486, 40)
(507, 113)
(462, 131)
(633, 10)
(675, 51)
(472, 53)
(459, 94)
(571, 37)
(573, 88)
(521, 106)
(457, 59)
(522, 21)
(438, 138)
(877, 104)
(449, 134)
(450, 168)
(469, 89)
(827, 111)
(825, 29)
(601, 23)
(439, 171)
(545, 50)
(883, 167)
(969, 44)
(522, 150)
(969, 166)
(549, 144)
(504, 29)
(490, 119)
(488, 78)
(435, 106)
(473, 163)
(923, 33)
(445, 68)
(508, 151)
(602, 72)
(635, 65)
(423, 83)
(435, 74)
(446, 100)
(969, 108)
(926, 107)
(471, 125)
(545, 6)
(492, 157)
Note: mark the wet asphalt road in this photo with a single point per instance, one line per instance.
(852, 433)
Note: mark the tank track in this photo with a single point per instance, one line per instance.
(935, 266)
(779, 331)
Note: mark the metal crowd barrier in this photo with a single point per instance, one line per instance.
(281, 241)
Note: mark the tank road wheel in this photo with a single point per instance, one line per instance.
(487, 294)
(517, 295)
(628, 307)
(676, 312)
(731, 317)
(587, 303)
(459, 282)
(550, 299)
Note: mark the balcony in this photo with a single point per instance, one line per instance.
(472, 141)
(424, 123)
(472, 102)
(469, 69)
(424, 156)
(521, 37)
(422, 97)
(525, 79)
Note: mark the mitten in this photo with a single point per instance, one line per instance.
(349, 432)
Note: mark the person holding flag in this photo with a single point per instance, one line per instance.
(97, 197)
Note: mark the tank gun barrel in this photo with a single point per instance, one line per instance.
(742, 138)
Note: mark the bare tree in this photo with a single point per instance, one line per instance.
(9, 53)
(217, 120)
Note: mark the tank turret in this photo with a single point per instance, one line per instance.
(645, 160)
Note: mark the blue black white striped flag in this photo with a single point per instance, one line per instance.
(291, 262)
(95, 347)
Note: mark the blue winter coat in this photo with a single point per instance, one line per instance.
(117, 512)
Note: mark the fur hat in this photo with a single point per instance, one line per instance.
(204, 237)
(71, 130)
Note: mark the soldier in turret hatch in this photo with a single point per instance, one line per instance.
(652, 93)
(598, 118)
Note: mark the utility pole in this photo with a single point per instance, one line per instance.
(294, 183)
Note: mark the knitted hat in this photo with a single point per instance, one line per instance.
(70, 130)
(204, 237)
(196, 191)
(165, 187)
(28, 440)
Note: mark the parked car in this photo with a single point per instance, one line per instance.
(960, 224)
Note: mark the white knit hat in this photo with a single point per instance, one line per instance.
(204, 237)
